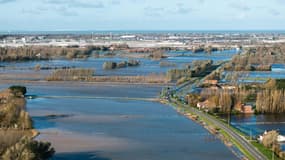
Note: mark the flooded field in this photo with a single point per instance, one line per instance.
(147, 66)
(278, 72)
(100, 129)
(114, 121)
(255, 125)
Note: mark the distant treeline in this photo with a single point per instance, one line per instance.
(82, 74)
(44, 52)
(271, 97)
(258, 58)
(25, 53)
(271, 101)
(198, 68)
(152, 78)
(72, 74)
(222, 100)
(203, 48)
(113, 65)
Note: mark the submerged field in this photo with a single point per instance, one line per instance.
(179, 59)
(107, 121)
(118, 129)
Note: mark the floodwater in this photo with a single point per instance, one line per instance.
(147, 66)
(277, 72)
(119, 129)
(255, 125)
(98, 121)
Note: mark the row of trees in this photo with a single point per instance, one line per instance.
(113, 65)
(198, 68)
(203, 48)
(270, 141)
(225, 100)
(152, 78)
(12, 109)
(157, 55)
(248, 67)
(257, 59)
(46, 52)
(271, 101)
(71, 74)
(28, 149)
(16, 134)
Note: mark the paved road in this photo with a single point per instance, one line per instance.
(94, 97)
(241, 140)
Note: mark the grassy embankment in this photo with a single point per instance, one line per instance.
(210, 126)
(265, 151)
(225, 137)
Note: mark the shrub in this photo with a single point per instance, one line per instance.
(71, 74)
(157, 55)
(263, 68)
(9, 138)
(133, 62)
(270, 139)
(18, 90)
(109, 65)
(37, 67)
(29, 149)
(41, 150)
(122, 64)
(282, 155)
(175, 74)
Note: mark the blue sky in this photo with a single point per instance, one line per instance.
(142, 15)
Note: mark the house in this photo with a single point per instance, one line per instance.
(203, 105)
(211, 82)
(280, 138)
(248, 109)
(243, 108)
(200, 105)
(214, 88)
(228, 87)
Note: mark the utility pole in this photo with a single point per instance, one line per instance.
(272, 153)
(250, 135)
(229, 118)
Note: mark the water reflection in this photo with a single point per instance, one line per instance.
(257, 124)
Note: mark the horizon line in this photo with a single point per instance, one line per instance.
(71, 31)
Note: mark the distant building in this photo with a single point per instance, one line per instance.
(248, 109)
(203, 105)
(243, 108)
(212, 82)
(128, 37)
(228, 87)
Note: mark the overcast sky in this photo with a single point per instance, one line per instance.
(142, 15)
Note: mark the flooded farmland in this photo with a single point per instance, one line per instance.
(118, 129)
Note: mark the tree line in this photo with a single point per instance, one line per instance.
(16, 129)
